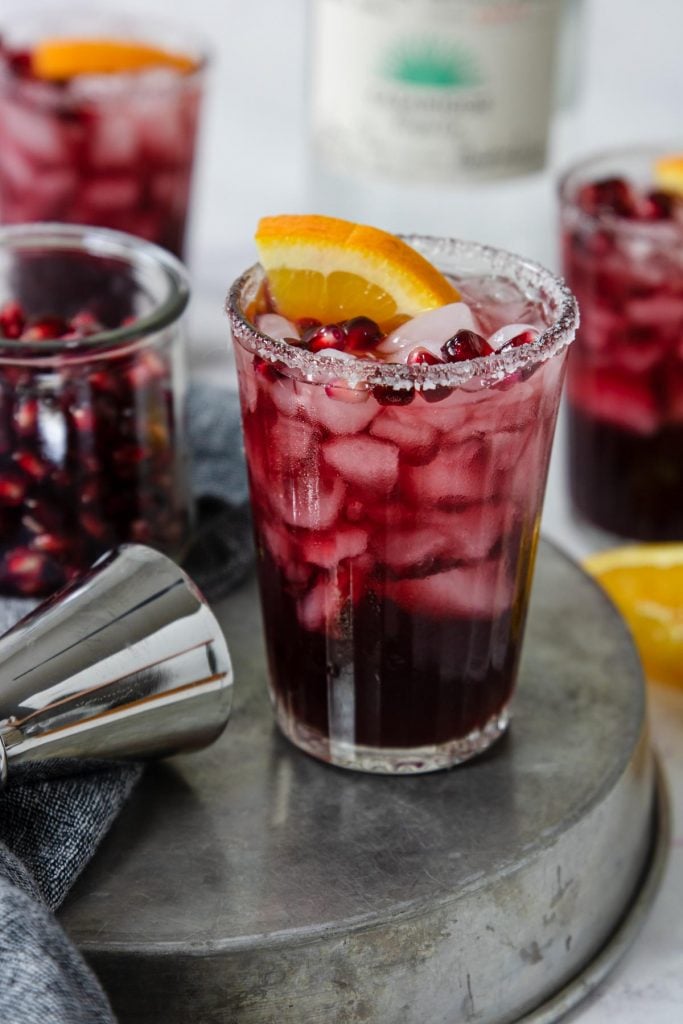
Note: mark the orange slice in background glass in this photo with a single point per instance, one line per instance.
(334, 270)
(668, 173)
(645, 581)
(59, 59)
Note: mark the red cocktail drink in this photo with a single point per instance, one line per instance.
(623, 258)
(91, 134)
(396, 501)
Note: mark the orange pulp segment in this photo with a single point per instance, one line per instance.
(59, 59)
(668, 173)
(333, 270)
(645, 581)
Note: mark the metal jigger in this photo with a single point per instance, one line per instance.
(126, 662)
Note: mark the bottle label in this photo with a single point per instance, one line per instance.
(432, 90)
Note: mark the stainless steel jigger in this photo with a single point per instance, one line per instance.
(127, 662)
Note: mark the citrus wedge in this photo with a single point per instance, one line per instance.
(333, 270)
(59, 59)
(668, 173)
(645, 581)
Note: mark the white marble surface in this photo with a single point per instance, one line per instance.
(253, 161)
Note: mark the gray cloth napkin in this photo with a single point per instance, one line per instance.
(50, 827)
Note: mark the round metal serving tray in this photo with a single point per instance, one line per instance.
(250, 884)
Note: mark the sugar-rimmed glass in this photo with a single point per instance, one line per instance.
(396, 511)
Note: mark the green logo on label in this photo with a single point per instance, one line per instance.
(430, 63)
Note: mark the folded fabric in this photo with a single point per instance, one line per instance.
(50, 827)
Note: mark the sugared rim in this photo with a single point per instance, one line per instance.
(486, 370)
(106, 243)
(620, 155)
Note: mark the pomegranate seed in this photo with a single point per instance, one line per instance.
(25, 569)
(268, 371)
(329, 336)
(12, 320)
(12, 489)
(465, 345)
(94, 526)
(50, 543)
(524, 338)
(422, 357)
(21, 63)
(385, 395)
(611, 195)
(83, 418)
(31, 464)
(361, 333)
(435, 394)
(83, 324)
(657, 205)
(25, 416)
(45, 328)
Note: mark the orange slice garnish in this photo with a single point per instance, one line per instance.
(333, 270)
(645, 581)
(668, 173)
(59, 59)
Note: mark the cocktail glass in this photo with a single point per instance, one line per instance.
(625, 377)
(92, 449)
(396, 511)
(114, 150)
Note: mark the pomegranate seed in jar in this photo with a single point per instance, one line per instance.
(12, 321)
(45, 328)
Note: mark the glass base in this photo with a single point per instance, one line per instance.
(394, 761)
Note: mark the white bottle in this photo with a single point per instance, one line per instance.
(425, 113)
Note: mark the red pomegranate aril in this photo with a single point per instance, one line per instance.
(519, 340)
(50, 543)
(329, 336)
(12, 321)
(31, 464)
(25, 567)
(611, 195)
(465, 345)
(386, 395)
(25, 416)
(45, 328)
(362, 334)
(436, 394)
(12, 489)
(84, 324)
(657, 205)
(422, 357)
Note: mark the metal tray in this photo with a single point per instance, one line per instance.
(250, 884)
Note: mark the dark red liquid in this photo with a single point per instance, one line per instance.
(418, 680)
(626, 483)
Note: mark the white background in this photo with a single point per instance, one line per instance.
(252, 161)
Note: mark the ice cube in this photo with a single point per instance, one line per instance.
(364, 461)
(306, 501)
(41, 136)
(328, 549)
(497, 301)
(479, 591)
(277, 327)
(413, 436)
(327, 411)
(428, 330)
(111, 192)
(112, 139)
(460, 474)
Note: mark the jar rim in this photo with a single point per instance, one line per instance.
(105, 243)
(571, 177)
(483, 370)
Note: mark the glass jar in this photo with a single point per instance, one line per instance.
(92, 450)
